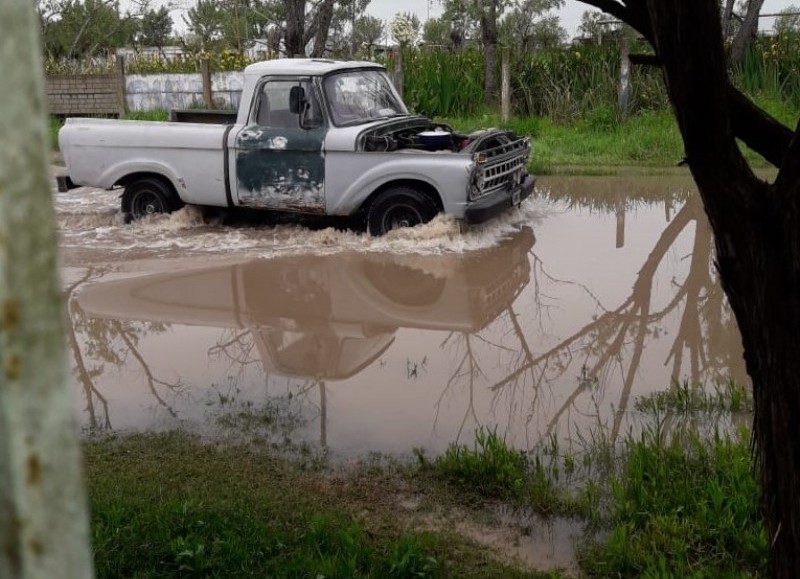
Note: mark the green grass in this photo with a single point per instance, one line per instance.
(171, 506)
(670, 501)
(682, 507)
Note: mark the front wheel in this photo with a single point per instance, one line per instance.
(399, 207)
(147, 197)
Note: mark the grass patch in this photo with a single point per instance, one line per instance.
(154, 115)
(168, 505)
(598, 143)
(538, 481)
(682, 507)
(678, 499)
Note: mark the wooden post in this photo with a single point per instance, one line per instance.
(624, 77)
(44, 526)
(122, 97)
(205, 72)
(505, 86)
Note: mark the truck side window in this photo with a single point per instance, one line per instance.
(273, 108)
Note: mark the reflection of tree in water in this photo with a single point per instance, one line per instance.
(614, 341)
(97, 343)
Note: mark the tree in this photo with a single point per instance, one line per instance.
(205, 21)
(487, 16)
(436, 32)
(747, 30)
(369, 31)
(530, 26)
(156, 27)
(591, 26)
(86, 28)
(788, 21)
(44, 526)
(757, 234)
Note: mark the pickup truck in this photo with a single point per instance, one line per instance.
(311, 136)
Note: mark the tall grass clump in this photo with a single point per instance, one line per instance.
(444, 84)
(682, 506)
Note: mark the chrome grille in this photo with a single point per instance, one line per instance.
(500, 167)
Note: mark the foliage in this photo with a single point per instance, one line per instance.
(87, 28)
(683, 506)
(405, 28)
(155, 28)
(490, 466)
(530, 26)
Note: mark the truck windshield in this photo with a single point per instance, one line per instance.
(360, 96)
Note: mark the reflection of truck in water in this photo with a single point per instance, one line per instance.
(313, 137)
(327, 317)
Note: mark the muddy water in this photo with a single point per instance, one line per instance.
(556, 316)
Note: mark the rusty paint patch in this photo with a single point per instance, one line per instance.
(34, 470)
(13, 367)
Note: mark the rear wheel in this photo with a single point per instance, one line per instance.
(399, 207)
(148, 196)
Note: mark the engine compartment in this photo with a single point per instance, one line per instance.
(421, 135)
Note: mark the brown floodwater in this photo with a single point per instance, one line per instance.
(555, 318)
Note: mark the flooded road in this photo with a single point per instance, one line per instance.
(559, 315)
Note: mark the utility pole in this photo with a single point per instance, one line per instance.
(44, 525)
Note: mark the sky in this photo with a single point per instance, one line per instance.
(570, 15)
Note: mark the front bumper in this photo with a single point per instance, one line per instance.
(484, 209)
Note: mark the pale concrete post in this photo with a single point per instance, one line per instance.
(398, 72)
(205, 72)
(122, 97)
(624, 78)
(505, 86)
(44, 527)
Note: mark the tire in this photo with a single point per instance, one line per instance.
(148, 196)
(399, 207)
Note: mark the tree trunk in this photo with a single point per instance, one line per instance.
(44, 528)
(488, 18)
(747, 31)
(323, 23)
(295, 27)
(757, 236)
(727, 19)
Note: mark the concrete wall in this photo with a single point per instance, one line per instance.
(82, 94)
(181, 91)
(99, 94)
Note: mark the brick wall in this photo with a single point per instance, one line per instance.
(82, 94)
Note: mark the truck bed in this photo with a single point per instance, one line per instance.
(100, 152)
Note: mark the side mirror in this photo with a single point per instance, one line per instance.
(297, 100)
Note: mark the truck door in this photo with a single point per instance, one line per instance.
(279, 158)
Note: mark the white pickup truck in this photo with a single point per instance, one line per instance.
(311, 136)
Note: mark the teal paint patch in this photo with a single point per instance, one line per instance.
(281, 168)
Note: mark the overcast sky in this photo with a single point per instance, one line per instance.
(570, 14)
(386, 10)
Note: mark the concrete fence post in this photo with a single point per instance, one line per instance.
(205, 73)
(398, 72)
(122, 96)
(44, 526)
(624, 78)
(505, 86)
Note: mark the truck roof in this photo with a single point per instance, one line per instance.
(304, 66)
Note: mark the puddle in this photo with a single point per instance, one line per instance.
(554, 317)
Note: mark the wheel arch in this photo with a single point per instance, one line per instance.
(140, 175)
(422, 186)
